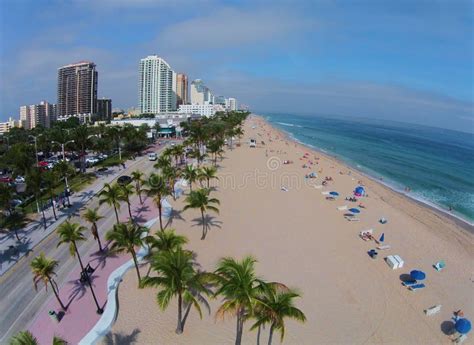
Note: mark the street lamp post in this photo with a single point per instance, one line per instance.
(64, 160)
(35, 138)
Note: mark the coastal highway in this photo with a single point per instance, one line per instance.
(19, 302)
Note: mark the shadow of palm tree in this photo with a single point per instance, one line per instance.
(121, 338)
(14, 253)
(209, 222)
(99, 258)
(174, 214)
(78, 289)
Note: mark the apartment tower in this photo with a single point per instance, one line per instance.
(77, 90)
(156, 94)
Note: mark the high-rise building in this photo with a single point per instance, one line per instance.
(104, 109)
(231, 104)
(155, 86)
(6, 126)
(182, 88)
(77, 90)
(43, 114)
(200, 93)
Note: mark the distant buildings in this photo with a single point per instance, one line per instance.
(231, 104)
(200, 93)
(155, 86)
(104, 110)
(43, 114)
(77, 91)
(200, 109)
(181, 90)
(6, 126)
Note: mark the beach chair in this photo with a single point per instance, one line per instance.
(352, 219)
(439, 265)
(433, 310)
(417, 287)
(318, 186)
(409, 283)
(383, 221)
(342, 208)
(325, 193)
(384, 247)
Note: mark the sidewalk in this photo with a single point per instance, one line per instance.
(81, 315)
(11, 251)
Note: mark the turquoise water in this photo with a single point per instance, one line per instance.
(436, 164)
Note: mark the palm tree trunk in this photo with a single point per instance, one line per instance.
(137, 187)
(78, 256)
(159, 214)
(208, 183)
(238, 336)
(129, 210)
(98, 237)
(179, 328)
(44, 217)
(16, 234)
(54, 208)
(203, 226)
(56, 294)
(270, 337)
(116, 214)
(135, 261)
(258, 334)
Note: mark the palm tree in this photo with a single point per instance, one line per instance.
(276, 305)
(158, 189)
(27, 338)
(163, 162)
(178, 277)
(190, 173)
(240, 287)
(81, 137)
(171, 174)
(43, 269)
(14, 221)
(208, 173)
(33, 182)
(92, 216)
(65, 170)
(6, 197)
(50, 178)
(177, 152)
(137, 176)
(164, 241)
(200, 199)
(72, 233)
(126, 191)
(125, 237)
(215, 148)
(111, 195)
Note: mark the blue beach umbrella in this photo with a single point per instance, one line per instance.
(417, 275)
(463, 326)
(354, 210)
(382, 238)
(359, 190)
(334, 193)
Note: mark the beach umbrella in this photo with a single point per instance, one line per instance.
(334, 193)
(359, 190)
(382, 238)
(417, 275)
(463, 326)
(354, 210)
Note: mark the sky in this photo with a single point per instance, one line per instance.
(409, 61)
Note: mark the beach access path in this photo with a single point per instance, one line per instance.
(20, 303)
(301, 239)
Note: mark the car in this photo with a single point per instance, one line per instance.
(124, 180)
(6, 179)
(152, 156)
(253, 143)
(101, 170)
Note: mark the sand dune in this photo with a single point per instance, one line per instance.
(302, 240)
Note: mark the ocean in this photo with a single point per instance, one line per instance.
(436, 164)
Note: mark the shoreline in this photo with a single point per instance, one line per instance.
(462, 223)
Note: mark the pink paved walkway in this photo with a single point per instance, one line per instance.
(81, 314)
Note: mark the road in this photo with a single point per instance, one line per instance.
(19, 302)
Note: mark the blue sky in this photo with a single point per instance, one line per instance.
(402, 60)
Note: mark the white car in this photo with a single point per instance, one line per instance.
(20, 179)
(152, 156)
(253, 143)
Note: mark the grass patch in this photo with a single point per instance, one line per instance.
(113, 160)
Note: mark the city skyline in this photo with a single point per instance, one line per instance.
(407, 61)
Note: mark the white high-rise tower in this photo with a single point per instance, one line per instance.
(156, 86)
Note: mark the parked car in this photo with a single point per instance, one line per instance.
(253, 143)
(6, 179)
(152, 156)
(124, 180)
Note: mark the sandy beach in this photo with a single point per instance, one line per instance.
(302, 240)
